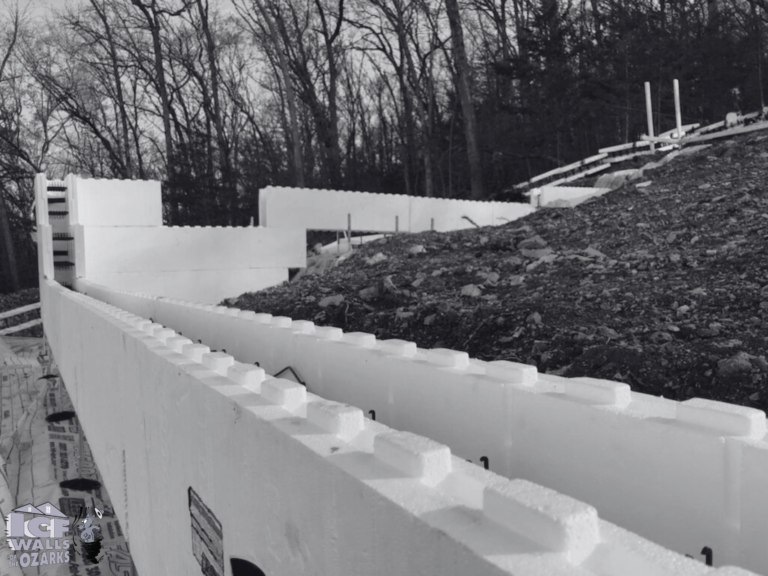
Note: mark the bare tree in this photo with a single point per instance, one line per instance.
(282, 60)
(462, 87)
(6, 129)
(154, 15)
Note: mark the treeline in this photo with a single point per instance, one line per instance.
(423, 97)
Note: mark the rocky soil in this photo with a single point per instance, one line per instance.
(663, 286)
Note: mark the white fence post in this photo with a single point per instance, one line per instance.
(677, 110)
(649, 113)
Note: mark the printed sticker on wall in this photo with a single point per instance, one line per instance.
(207, 537)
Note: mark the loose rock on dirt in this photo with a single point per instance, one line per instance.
(664, 287)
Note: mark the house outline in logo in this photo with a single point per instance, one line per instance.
(40, 540)
(18, 527)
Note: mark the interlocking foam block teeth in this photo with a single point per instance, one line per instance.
(177, 343)
(285, 393)
(417, 456)
(361, 339)
(513, 372)
(599, 391)
(218, 361)
(340, 419)
(397, 347)
(195, 351)
(728, 419)
(448, 358)
(557, 522)
(163, 334)
(247, 375)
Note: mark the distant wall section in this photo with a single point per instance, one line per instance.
(335, 210)
(573, 195)
(205, 264)
(111, 232)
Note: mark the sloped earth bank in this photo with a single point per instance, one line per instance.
(663, 287)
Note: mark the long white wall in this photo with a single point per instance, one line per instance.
(119, 241)
(161, 248)
(574, 195)
(302, 485)
(687, 475)
(334, 210)
(206, 264)
(104, 202)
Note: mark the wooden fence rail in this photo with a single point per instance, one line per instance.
(16, 312)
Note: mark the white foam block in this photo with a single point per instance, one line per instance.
(513, 372)
(195, 351)
(557, 522)
(467, 482)
(329, 332)
(140, 324)
(177, 343)
(303, 326)
(285, 393)
(281, 321)
(730, 571)
(721, 417)
(599, 391)
(360, 339)
(247, 375)
(340, 419)
(163, 334)
(415, 455)
(448, 358)
(218, 361)
(397, 347)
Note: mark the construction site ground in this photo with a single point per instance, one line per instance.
(663, 286)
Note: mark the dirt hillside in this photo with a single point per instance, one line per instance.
(662, 286)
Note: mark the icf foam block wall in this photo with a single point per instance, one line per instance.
(573, 194)
(103, 202)
(687, 475)
(205, 264)
(215, 460)
(335, 210)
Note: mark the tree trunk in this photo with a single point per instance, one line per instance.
(9, 252)
(153, 23)
(290, 95)
(119, 96)
(224, 155)
(462, 87)
(331, 143)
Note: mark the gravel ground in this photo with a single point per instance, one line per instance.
(662, 286)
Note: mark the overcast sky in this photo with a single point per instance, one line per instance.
(40, 7)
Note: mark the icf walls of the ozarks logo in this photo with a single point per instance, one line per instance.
(44, 538)
(38, 541)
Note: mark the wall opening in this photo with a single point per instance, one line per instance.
(83, 484)
(242, 567)
(60, 416)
